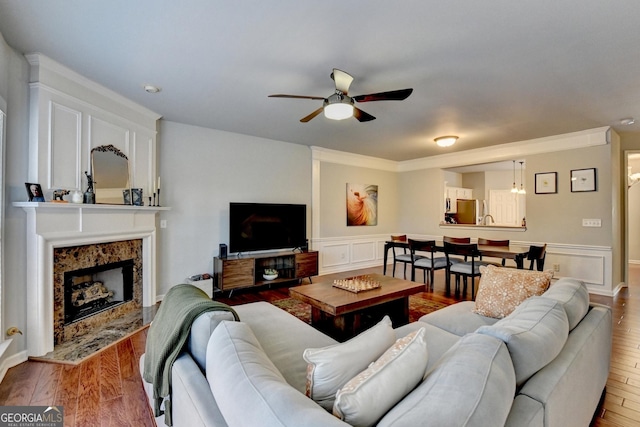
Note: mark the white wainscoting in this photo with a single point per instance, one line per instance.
(591, 264)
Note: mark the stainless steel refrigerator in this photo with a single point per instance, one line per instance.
(468, 211)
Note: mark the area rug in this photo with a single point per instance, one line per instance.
(418, 307)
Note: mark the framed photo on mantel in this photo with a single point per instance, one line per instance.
(547, 183)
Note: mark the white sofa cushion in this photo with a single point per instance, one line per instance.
(371, 393)
(574, 297)
(458, 318)
(329, 368)
(249, 389)
(534, 333)
(201, 330)
(472, 385)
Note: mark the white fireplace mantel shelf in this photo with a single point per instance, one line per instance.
(82, 206)
(51, 225)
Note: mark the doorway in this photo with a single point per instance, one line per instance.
(632, 213)
(505, 207)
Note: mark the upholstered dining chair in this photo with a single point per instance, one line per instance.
(489, 242)
(465, 269)
(428, 263)
(400, 254)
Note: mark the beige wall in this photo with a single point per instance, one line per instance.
(333, 184)
(558, 217)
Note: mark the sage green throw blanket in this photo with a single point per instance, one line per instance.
(167, 336)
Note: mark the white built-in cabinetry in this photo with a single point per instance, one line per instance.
(70, 115)
(452, 194)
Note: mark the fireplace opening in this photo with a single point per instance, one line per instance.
(89, 291)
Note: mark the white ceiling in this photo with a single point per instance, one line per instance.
(491, 72)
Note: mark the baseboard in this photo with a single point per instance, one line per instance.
(12, 361)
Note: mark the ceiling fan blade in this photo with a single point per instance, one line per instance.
(312, 115)
(343, 80)
(394, 95)
(361, 115)
(280, 95)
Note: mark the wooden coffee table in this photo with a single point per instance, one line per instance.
(343, 314)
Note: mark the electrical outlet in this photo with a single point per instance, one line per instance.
(593, 222)
(556, 267)
(163, 223)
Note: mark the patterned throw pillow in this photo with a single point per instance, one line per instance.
(501, 290)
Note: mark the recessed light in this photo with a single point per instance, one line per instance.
(152, 89)
(628, 121)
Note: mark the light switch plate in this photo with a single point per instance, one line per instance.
(593, 222)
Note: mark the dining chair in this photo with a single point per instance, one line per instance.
(449, 239)
(489, 242)
(465, 269)
(401, 256)
(536, 256)
(426, 263)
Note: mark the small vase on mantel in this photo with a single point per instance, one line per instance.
(77, 197)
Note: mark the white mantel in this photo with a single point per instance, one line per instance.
(51, 225)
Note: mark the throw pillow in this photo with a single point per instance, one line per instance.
(371, 393)
(501, 290)
(329, 368)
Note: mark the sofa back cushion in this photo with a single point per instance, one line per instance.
(574, 297)
(534, 333)
(472, 385)
(249, 389)
(201, 330)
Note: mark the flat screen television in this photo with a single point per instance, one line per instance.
(265, 226)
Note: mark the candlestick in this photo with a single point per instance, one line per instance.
(158, 192)
(150, 201)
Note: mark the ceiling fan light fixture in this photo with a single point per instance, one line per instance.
(446, 141)
(338, 107)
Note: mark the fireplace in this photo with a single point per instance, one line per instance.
(53, 230)
(94, 284)
(89, 291)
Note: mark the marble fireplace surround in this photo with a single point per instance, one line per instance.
(52, 225)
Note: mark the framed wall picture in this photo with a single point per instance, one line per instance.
(583, 180)
(547, 183)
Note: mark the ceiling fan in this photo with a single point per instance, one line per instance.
(340, 105)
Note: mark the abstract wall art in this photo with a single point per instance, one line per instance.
(362, 204)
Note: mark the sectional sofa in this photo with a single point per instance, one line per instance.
(545, 364)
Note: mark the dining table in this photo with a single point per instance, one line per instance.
(518, 253)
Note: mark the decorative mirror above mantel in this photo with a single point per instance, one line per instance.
(110, 170)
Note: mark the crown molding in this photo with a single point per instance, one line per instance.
(40, 64)
(351, 159)
(494, 153)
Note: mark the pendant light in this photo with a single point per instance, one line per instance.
(522, 190)
(514, 189)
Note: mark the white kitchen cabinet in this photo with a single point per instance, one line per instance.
(452, 194)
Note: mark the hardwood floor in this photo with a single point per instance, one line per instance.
(106, 389)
